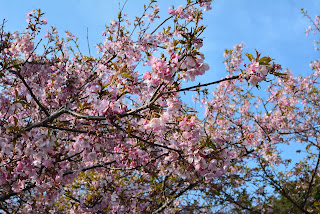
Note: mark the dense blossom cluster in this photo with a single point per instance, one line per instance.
(83, 134)
(256, 73)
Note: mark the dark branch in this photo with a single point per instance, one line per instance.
(203, 85)
(30, 91)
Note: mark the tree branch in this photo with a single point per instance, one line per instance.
(11, 193)
(168, 203)
(311, 181)
(30, 91)
(101, 165)
(281, 189)
(143, 140)
(46, 120)
(203, 85)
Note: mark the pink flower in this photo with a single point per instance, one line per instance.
(30, 13)
(68, 34)
(308, 30)
(254, 80)
(147, 75)
(44, 21)
(263, 70)
(47, 35)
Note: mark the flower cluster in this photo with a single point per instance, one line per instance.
(256, 73)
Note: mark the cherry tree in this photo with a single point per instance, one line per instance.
(260, 178)
(104, 134)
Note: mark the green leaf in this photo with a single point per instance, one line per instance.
(250, 57)
(265, 60)
(125, 74)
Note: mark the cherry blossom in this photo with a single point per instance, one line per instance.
(111, 133)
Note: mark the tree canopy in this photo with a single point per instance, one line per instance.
(98, 134)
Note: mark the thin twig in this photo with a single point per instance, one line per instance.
(168, 203)
(203, 85)
(88, 41)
